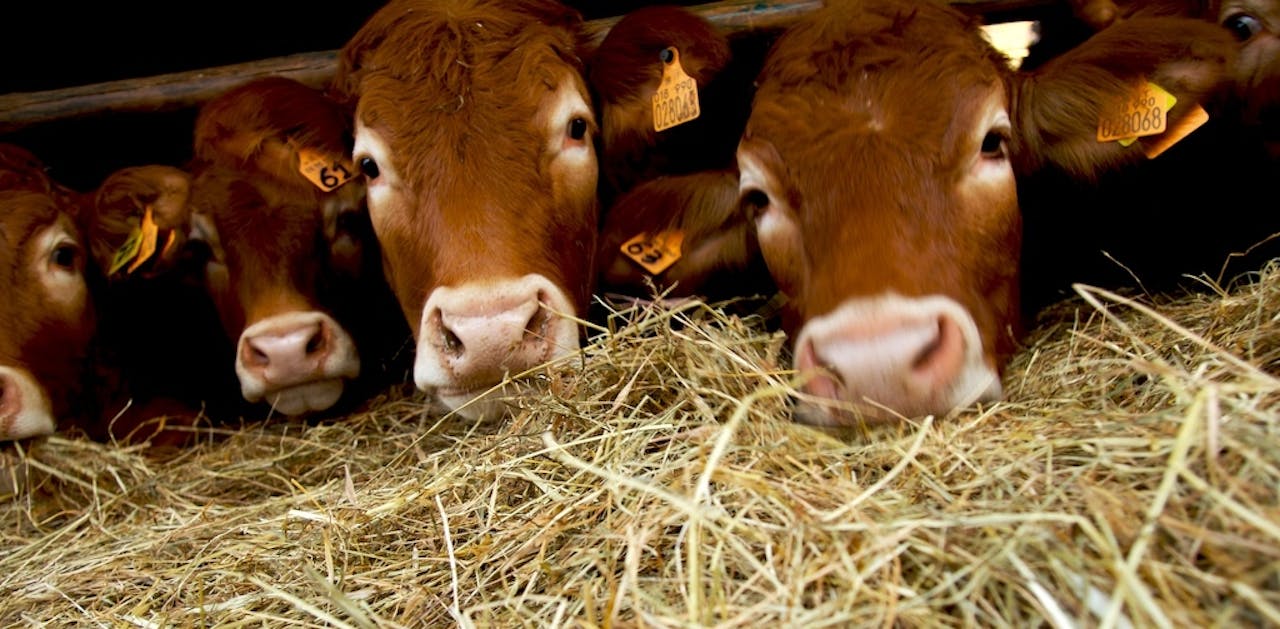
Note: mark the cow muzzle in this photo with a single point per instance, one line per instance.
(297, 362)
(473, 336)
(878, 358)
(25, 410)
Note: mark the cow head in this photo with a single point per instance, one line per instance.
(881, 163)
(475, 131)
(47, 315)
(281, 210)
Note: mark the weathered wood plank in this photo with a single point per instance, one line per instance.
(180, 90)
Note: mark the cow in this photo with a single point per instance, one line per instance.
(65, 361)
(46, 313)
(293, 265)
(881, 165)
(625, 73)
(475, 131)
(680, 181)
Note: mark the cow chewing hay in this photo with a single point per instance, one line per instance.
(1130, 480)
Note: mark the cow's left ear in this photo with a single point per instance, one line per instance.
(139, 219)
(1065, 112)
(678, 230)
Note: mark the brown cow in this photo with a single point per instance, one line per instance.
(294, 263)
(680, 182)
(719, 256)
(46, 314)
(880, 163)
(68, 354)
(625, 73)
(476, 132)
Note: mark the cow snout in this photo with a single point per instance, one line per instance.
(297, 362)
(475, 335)
(25, 410)
(877, 358)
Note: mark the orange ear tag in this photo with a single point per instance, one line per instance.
(1180, 129)
(147, 246)
(656, 254)
(326, 172)
(676, 101)
(169, 242)
(1145, 111)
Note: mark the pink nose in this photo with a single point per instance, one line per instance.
(24, 406)
(484, 338)
(288, 354)
(10, 397)
(474, 335)
(894, 355)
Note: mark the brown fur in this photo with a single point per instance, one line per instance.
(625, 72)
(720, 255)
(100, 378)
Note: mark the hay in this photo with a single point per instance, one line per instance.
(1130, 480)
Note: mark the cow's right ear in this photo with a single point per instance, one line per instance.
(681, 230)
(1058, 109)
(139, 220)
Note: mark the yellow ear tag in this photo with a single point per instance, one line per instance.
(126, 252)
(1145, 111)
(147, 243)
(326, 172)
(657, 253)
(676, 101)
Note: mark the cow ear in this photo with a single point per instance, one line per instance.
(688, 225)
(1096, 14)
(1058, 108)
(131, 198)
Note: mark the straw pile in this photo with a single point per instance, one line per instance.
(1130, 480)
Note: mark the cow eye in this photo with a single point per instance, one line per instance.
(578, 128)
(65, 256)
(755, 202)
(369, 167)
(993, 145)
(1242, 25)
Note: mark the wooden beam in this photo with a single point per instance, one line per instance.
(181, 90)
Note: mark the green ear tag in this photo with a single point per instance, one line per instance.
(127, 251)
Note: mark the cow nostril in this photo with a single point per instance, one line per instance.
(926, 353)
(537, 325)
(316, 343)
(450, 341)
(257, 357)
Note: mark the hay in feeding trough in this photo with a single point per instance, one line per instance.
(1130, 480)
